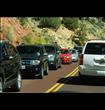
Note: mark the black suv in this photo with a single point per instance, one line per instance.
(34, 60)
(54, 59)
(10, 66)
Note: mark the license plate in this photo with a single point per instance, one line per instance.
(23, 67)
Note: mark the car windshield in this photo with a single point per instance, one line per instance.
(28, 49)
(95, 48)
(64, 51)
(50, 49)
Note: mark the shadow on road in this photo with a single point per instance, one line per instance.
(89, 81)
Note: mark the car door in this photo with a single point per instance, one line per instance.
(94, 56)
(6, 63)
(13, 62)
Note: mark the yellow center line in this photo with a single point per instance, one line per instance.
(57, 84)
(71, 72)
(52, 88)
(61, 85)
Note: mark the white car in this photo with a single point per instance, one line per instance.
(92, 59)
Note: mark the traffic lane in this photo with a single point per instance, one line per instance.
(41, 85)
(74, 84)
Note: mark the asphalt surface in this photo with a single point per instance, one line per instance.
(31, 85)
(75, 84)
(63, 80)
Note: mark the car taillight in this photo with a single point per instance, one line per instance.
(81, 59)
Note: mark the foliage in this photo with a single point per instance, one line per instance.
(71, 22)
(8, 32)
(28, 39)
(50, 22)
(23, 20)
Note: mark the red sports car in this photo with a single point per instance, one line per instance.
(66, 55)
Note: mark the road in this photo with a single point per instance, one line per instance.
(64, 80)
(31, 85)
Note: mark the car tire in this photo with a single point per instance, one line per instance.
(55, 67)
(1, 85)
(60, 65)
(17, 86)
(41, 73)
(47, 70)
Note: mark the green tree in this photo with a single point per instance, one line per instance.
(50, 22)
(71, 22)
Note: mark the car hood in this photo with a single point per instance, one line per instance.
(29, 57)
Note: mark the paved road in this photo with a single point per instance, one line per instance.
(42, 85)
(64, 80)
(74, 84)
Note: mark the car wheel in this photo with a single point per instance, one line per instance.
(41, 73)
(17, 86)
(47, 70)
(1, 85)
(60, 65)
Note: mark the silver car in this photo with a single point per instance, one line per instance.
(74, 55)
(92, 59)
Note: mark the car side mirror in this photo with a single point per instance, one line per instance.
(58, 52)
(8, 57)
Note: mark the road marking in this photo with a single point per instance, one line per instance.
(52, 88)
(58, 84)
(61, 85)
(71, 72)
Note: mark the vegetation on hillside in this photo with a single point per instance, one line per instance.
(83, 28)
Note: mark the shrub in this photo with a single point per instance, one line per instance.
(50, 22)
(23, 20)
(40, 40)
(71, 22)
(28, 39)
(9, 33)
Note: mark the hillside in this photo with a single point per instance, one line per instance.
(31, 33)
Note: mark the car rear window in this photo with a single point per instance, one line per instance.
(95, 48)
(73, 51)
(64, 51)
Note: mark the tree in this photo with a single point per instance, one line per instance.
(71, 22)
(50, 22)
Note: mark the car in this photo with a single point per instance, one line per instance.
(75, 55)
(34, 60)
(66, 55)
(92, 59)
(10, 67)
(54, 59)
(79, 49)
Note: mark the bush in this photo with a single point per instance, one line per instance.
(71, 22)
(28, 39)
(50, 22)
(23, 20)
(9, 33)
(40, 40)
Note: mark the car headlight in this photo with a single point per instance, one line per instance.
(51, 57)
(34, 62)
